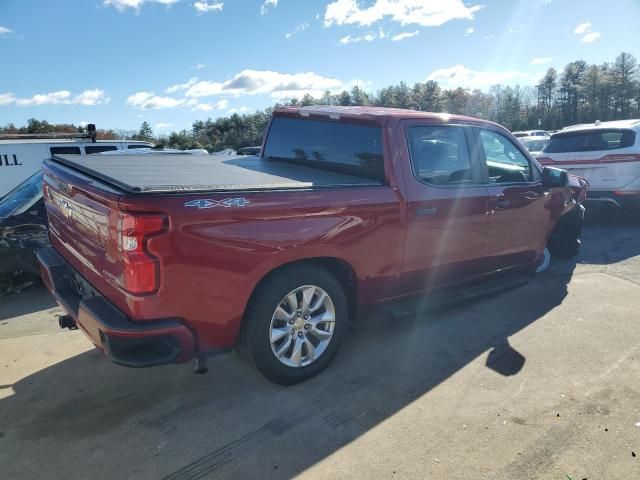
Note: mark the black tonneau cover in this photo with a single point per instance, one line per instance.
(203, 173)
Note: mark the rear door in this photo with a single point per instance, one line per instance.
(518, 217)
(447, 206)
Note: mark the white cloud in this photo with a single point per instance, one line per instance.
(161, 125)
(207, 107)
(51, 98)
(541, 60)
(60, 97)
(182, 86)
(301, 27)
(582, 28)
(403, 35)
(267, 4)
(240, 110)
(516, 29)
(122, 5)
(469, 31)
(7, 98)
(431, 13)
(590, 37)
(150, 101)
(253, 82)
(585, 31)
(91, 97)
(461, 76)
(489, 37)
(205, 7)
(277, 85)
(5, 30)
(368, 37)
(200, 66)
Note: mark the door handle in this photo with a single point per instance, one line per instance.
(501, 203)
(426, 211)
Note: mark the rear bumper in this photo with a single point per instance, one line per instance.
(610, 197)
(125, 342)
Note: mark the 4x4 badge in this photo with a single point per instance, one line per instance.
(227, 203)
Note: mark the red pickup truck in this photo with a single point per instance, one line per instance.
(166, 259)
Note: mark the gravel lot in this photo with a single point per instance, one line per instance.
(539, 382)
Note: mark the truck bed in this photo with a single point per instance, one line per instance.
(191, 173)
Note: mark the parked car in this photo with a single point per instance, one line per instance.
(23, 227)
(346, 209)
(607, 154)
(531, 133)
(21, 155)
(534, 144)
(23, 220)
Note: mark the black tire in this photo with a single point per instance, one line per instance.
(254, 343)
(565, 239)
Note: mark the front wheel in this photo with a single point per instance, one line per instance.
(565, 239)
(295, 324)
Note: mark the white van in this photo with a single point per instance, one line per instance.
(22, 157)
(607, 154)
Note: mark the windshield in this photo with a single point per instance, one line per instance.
(535, 145)
(590, 141)
(23, 197)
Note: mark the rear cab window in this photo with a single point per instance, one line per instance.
(349, 148)
(440, 155)
(504, 160)
(590, 140)
(137, 146)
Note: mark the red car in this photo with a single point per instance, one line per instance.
(166, 259)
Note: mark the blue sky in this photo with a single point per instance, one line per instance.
(170, 62)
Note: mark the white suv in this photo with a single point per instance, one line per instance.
(607, 154)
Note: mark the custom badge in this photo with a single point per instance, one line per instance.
(226, 203)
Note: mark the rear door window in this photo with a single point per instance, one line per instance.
(68, 150)
(505, 162)
(439, 155)
(89, 149)
(348, 148)
(590, 141)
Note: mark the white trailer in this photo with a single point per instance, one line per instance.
(22, 155)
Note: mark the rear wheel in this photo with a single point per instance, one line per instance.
(295, 324)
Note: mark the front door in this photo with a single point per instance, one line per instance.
(447, 207)
(518, 216)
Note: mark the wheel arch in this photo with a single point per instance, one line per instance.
(342, 270)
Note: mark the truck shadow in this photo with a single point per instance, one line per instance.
(232, 423)
(31, 300)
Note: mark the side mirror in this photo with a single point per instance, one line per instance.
(554, 177)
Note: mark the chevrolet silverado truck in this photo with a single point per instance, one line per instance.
(162, 260)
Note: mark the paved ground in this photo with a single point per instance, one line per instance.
(540, 382)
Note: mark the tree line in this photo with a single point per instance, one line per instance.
(579, 93)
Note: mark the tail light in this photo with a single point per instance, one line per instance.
(141, 269)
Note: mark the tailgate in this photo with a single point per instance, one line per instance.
(82, 218)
